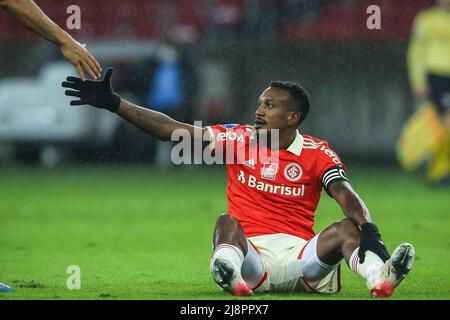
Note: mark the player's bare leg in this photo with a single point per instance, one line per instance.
(230, 247)
(338, 241)
(229, 230)
(341, 240)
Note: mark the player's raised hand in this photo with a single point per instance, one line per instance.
(97, 93)
(81, 58)
(370, 240)
(28, 14)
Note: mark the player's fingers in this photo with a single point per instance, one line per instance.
(71, 85)
(77, 102)
(95, 65)
(383, 254)
(92, 68)
(80, 71)
(73, 93)
(362, 256)
(108, 74)
(74, 79)
(98, 68)
(88, 69)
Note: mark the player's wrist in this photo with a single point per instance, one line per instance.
(114, 103)
(369, 227)
(63, 39)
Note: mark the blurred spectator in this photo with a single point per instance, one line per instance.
(304, 11)
(429, 68)
(224, 19)
(261, 19)
(166, 95)
(214, 103)
(165, 18)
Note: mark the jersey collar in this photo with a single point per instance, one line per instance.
(297, 145)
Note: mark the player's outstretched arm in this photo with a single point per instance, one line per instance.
(155, 123)
(100, 94)
(28, 14)
(355, 209)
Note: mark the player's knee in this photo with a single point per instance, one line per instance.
(349, 225)
(345, 230)
(226, 223)
(229, 230)
(225, 219)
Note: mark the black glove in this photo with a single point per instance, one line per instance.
(97, 93)
(371, 240)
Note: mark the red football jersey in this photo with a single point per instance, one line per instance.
(275, 192)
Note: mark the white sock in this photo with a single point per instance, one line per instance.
(369, 270)
(230, 253)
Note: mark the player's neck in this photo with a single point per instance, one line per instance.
(286, 139)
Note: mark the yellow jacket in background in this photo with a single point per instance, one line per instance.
(429, 49)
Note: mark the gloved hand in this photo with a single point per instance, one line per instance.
(371, 240)
(97, 93)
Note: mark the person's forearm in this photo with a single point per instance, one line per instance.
(154, 123)
(355, 209)
(350, 202)
(28, 14)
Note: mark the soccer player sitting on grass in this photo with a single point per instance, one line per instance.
(266, 240)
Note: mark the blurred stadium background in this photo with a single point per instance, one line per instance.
(195, 60)
(216, 57)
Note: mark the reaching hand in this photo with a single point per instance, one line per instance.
(81, 59)
(97, 93)
(371, 241)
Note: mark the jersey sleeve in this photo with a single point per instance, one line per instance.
(330, 168)
(213, 135)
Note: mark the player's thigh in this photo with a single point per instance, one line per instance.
(279, 254)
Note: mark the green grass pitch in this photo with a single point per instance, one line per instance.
(144, 233)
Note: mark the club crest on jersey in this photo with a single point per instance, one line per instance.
(269, 171)
(293, 172)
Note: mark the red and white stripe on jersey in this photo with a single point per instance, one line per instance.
(311, 144)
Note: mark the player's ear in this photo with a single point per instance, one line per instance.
(294, 118)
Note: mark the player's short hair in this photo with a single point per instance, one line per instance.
(298, 93)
